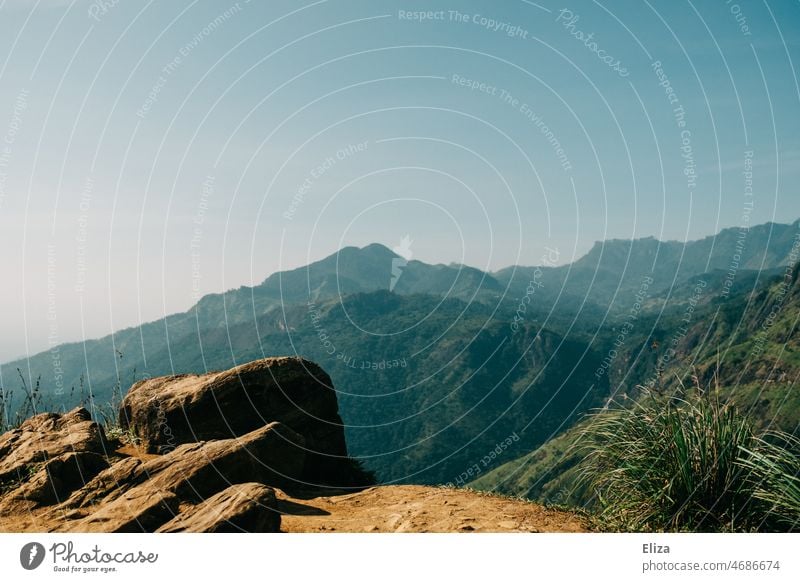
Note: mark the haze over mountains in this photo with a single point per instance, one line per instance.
(433, 375)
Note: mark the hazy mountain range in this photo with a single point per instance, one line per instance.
(435, 374)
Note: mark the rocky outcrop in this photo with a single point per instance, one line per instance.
(170, 411)
(249, 507)
(141, 496)
(211, 457)
(59, 468)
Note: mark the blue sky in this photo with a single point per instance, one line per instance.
(162, 150)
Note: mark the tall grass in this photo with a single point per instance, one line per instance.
(685, 464)
(6, 402)
(34, 402)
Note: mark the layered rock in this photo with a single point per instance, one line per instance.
(59, 467)
(47, 436)
(55, 481)
(248, 507)
(142, 496)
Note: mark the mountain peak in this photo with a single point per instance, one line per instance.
(374, 250)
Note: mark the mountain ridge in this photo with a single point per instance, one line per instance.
(448, 341)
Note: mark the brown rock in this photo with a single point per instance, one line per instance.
(56, 480)
(248, 507)
(107, 485)
(142, 509)
(46, 436)
(173, 410)
(273, 455)
(136, 496)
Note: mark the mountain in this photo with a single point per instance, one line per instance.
(436, 374)
(350, 270)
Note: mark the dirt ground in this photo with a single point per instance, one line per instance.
(384, 509)
(412, 508)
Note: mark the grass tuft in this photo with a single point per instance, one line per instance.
(774, 466)
(688, 464)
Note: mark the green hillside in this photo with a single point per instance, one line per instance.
(747, 346)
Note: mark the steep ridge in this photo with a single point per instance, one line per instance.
(613, 269)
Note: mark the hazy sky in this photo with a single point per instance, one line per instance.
(154, 151)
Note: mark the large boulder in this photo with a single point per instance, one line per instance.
(249, 507)
(44, 437)
(169, 411)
